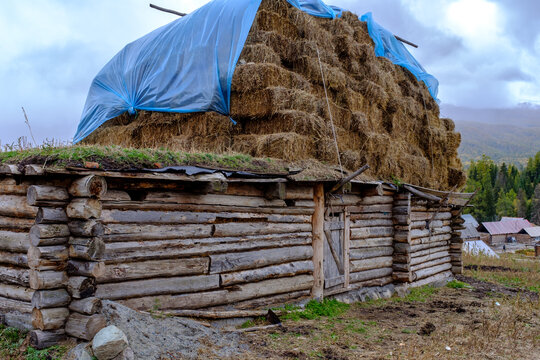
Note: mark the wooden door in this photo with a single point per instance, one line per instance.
(336, 251)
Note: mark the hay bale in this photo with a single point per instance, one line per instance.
(381, 113)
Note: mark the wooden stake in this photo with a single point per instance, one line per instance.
(318, 242)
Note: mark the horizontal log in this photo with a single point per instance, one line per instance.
(408, 248)
(385, 208)
(373, 222)
(16, 206)
(34, 170)
(80, 287)
(431, 239)
(84, 209)
(11, 305)
(371, 216)
(88, 228)
(423, 216)
(48, 258)
(48, 231)
(299, 192)
(377, 282)
(431, 264)
(400, 258)
(43, 280)
(445, 275)
(401, 219)
(270, 272)
(373, 242)
(429, 251)
(258, 228)
(85, 268)
(49, 319)
(44, 339)
(115, 195)
(86, 248)
(349, 199)
(426, 258)
(9, 186)
(13, 223)
(159, 286)
(153, 268)
(14, 275)
(216, 315)
(424, 273)
(268, 301)
(183, 301)
(371, 232)
(9, 169)
(88, 306)
(132, 251)
(122, 232)
(368, 253)
(17, 259)
(401, 267)
(269, 287)
(47, 215)
(16, 292)
(88, 186)
(14, 241)
(402, 277)
(38, 194)
(212, 199)
(43, 299)
(370, 274)
(256, 259)
(373, 263)
(85, 327)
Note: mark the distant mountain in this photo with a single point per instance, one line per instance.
(505, 135)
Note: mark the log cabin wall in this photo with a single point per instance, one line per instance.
(211, 243)
(181, 246)
(422, 239)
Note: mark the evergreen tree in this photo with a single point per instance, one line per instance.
(535, 206)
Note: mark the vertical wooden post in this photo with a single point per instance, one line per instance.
(318, 242)
(346, 247)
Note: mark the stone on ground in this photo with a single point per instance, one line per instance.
(109, 342)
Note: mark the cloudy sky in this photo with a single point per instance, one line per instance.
(485, 53)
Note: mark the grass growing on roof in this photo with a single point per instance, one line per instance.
(118, 158)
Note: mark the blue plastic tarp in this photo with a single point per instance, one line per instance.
(388, 46)
(188, 65)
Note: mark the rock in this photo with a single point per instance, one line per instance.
(127, 354)
(79, 352)
(386, 294)
(109, 342)
(153, 338)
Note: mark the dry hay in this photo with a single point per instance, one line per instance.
(382, 115)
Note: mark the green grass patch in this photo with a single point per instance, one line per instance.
(118, 158)
(456, 284)
(12, 345)
(328, 308)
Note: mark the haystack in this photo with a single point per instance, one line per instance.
(381, 113)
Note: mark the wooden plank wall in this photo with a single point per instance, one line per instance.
(422, 240)
(371, 238)
(179, 250)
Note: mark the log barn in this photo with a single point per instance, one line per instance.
(207, 240)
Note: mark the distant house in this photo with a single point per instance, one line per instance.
(499, 232)
(469, 219)
(470, 232)
(530, 235)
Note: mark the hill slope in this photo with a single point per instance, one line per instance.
(508, 143)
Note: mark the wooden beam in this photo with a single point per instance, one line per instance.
(342, 182)
(318, 242)
(167, 10)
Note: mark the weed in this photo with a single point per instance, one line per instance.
(407, 331)
(456, 284)
(314, 310)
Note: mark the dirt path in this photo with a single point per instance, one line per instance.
(487, 321)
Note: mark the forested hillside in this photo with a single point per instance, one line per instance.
(510, 143)
(504, 190)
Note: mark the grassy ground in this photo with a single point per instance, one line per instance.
(14, 346)
(483, 315)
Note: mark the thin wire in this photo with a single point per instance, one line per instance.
(430, 135)
(329, 111)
